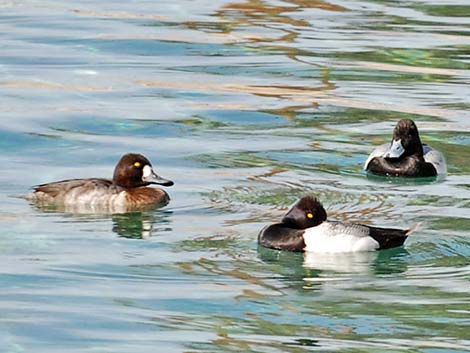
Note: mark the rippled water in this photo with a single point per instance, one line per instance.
(246, 105)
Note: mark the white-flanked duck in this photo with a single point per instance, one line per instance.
(406, 156)
(305, 228)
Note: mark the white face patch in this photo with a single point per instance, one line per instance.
(147, 171)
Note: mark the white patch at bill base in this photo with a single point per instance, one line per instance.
(146, 171)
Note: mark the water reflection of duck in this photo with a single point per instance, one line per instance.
(140, 225)
(358, 263)
(314, 271)
(406, 156)
(127, 190)
(305, 228)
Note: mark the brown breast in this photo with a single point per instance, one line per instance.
(146, 196)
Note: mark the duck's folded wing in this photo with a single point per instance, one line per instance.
(60, 187)
(332, 236)
(385, 237)
(345, 228)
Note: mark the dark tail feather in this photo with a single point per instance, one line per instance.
(389, 237)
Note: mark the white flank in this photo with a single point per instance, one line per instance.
(335, 237)
(436, 159)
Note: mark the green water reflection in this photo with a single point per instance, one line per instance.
(246, 105)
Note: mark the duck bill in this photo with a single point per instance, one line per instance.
(149, 176)
(395, 151)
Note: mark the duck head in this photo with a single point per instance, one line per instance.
(405, 141)
(134, 170)
(305, 213)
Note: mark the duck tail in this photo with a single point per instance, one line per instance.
(413, 229)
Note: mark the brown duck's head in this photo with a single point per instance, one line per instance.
(134, 170)
(405, 141)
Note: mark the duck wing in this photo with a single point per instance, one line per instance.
(385, 237)
(333, 228)
(336, 237)
(58, 188)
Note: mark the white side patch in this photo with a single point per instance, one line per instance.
(436, 159)
(323, 239)
(147, 171)
(378, 152)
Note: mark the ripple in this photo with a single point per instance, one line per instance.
(247, 105)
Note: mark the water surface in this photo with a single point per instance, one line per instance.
(246, 105)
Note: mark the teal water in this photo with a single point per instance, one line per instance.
(246, 105)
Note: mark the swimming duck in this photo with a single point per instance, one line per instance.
(127, 188)
(405, 155)
(305, 228)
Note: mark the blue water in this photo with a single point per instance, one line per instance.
(245, 105)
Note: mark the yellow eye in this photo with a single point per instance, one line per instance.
(309, 215)
(137, 164)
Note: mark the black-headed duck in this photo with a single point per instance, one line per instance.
(406, 156)
(305, 228)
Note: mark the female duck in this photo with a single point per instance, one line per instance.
(405, 155)
(305, 228)
(127, 188)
